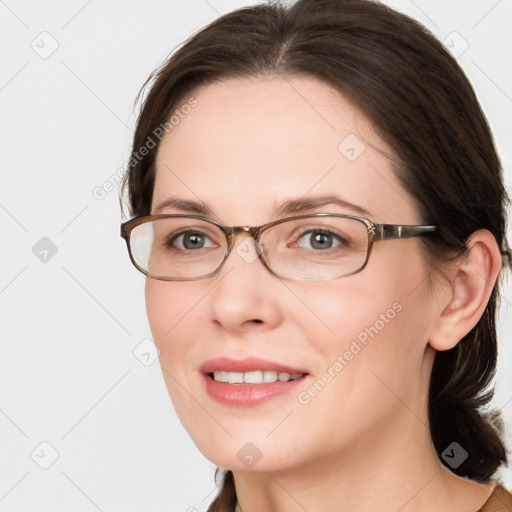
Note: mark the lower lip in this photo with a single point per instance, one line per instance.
(248, 395)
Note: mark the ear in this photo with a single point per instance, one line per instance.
(465, 297)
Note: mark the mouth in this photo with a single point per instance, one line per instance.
(250, 381)
(253, 377)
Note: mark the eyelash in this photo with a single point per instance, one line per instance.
(170, 241)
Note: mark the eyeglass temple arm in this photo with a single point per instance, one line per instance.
(393, 231)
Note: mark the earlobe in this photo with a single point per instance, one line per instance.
(468, 292)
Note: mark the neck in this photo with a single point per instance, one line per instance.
(396, 469)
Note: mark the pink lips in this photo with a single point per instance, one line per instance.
(248, 364)
(247, 395)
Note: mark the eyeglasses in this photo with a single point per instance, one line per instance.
(311, 247)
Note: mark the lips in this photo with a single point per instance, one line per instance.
(249, 364)
(247, 394)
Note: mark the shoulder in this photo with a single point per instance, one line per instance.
(499, 501)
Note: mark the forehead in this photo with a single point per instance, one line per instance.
(249, 144)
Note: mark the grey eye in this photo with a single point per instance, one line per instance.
(190, 240)
(320, 240)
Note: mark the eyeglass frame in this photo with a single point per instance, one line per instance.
(376, 232)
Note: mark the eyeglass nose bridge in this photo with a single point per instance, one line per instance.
(252, 232)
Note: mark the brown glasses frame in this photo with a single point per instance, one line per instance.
(375, 232)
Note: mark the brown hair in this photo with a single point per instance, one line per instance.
(424, 108)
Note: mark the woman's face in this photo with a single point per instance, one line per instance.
(248, 147)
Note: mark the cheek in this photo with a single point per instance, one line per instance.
(340, 308)
(370, 339)
(168, 305)
(169, 308)
(159, 308)
(379, 316)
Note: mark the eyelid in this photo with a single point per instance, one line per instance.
(327, 229)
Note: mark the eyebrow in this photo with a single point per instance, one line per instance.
(311, 203)
(185, 205)
(292, 206)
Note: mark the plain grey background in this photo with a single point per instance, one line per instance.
(85, 419)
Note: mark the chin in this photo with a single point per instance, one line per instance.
(246, 450)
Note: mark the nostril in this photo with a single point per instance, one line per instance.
(257, 321)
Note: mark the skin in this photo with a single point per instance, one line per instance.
(363, 442)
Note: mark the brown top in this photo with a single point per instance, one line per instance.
(499, 501)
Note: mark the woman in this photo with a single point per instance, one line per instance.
(339, 359)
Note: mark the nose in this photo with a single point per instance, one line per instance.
(246, 295)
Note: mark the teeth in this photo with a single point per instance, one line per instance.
(255, 377)
(235, 378)
(269, 376)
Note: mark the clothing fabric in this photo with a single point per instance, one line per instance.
(499, 501)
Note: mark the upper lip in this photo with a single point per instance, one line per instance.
(248, 364)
